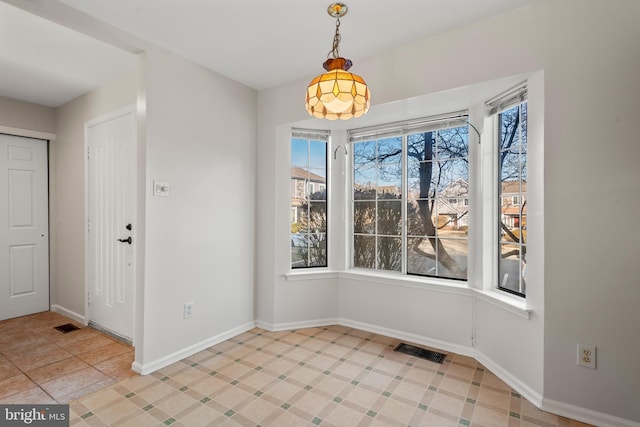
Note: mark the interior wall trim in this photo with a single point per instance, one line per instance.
(80, 318)
(27, 133)
(154, 365)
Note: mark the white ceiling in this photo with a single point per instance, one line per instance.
(260, 43)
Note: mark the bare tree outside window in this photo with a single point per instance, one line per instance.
(513, 195)
(436, 201)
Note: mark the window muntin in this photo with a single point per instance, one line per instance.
(420, 179)
(309, 199)
(512, 191)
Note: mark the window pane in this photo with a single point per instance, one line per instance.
(364, 217)
(452, 143)
(420, 147)
(452, 258)
(512, 189)
(390, 184)
(364, 152)
(299, 153)
(318, 155)
(390, 217)
(438, 257)
(389, 253)
(422, 180)
(511, 265)
(364, 251)
(364, 186)
(390, 152)
(417, 225)
(317, 250)
(421, 257)
(308, 203)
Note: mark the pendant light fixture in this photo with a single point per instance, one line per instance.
(337, 94)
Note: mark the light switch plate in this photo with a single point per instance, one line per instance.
(161, 188)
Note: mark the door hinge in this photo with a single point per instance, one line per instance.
(88, 153)
(88, 298)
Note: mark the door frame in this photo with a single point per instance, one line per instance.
(50, 138)
(47, 138)
(129, 109)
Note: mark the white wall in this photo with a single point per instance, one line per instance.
(199, 242)
(588, 289)
(67, 195)
(592, 200)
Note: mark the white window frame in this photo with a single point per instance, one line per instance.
(403, 129)
(325, 136)
(490, 184)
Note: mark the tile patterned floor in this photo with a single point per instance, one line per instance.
(39, 364)
(332, 376)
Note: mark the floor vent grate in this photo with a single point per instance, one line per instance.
(67, 327)
(422, 353)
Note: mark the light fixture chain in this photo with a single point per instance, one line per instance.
(335, 51)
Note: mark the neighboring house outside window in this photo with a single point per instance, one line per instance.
(309, 199)
(512, 172)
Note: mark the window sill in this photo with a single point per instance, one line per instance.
(296, 276)
(510, 303)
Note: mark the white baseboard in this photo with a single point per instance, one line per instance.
(585, 415)
(276, 327)
(154, 365)
(405, 336)
(70, 314)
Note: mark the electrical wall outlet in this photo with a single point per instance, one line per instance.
(188, 310)
(587, 355)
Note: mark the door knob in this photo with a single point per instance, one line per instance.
(127, 240)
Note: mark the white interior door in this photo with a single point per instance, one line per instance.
(24, 226)
(111, 228)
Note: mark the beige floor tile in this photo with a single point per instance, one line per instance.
(282, 391)
(433, 420)
(362, 397)
(117, 410)
(500, 399)
(232, 397)
(398, 411)
(489, 417)
(200, 417)
(176, 403)
(344, 416)
(259, 409)
(455, 386)
(447, 404)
